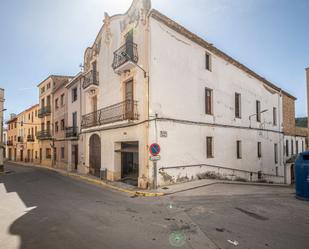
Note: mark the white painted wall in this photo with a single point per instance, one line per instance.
(177, 91)
(111, 91)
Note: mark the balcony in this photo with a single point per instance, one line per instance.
(126, 110)
(91, 80)
(20, 139)
(44, 111)
(9, 143)
(30, 138)
(125, 58)
(44, 135)
(71, 131)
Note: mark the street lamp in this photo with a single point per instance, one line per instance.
(255, 115)
(1, 142)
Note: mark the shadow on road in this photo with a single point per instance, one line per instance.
(46, 210)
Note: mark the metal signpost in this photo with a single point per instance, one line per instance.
(154, 150)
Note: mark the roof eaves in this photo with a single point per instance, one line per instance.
(193, 37)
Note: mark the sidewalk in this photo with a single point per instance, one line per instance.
(119, 186)
(181, 187)
(129, 189)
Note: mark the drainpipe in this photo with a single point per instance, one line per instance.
(281, 140)
(147, 63)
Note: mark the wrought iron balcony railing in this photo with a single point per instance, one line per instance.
(45, 134)
(127, 52)
(30, 138)
(9, 143)
(91, 78)
(126, 110)
(44, 111)
(20, 139)
(71, 131)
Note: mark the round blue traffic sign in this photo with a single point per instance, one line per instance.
(154, 149)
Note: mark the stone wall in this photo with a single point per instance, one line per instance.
(288, 115)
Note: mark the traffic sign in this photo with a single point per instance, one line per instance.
(154, 149)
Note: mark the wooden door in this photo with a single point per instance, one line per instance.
(95, 155)
(75, 156)
(40, 154)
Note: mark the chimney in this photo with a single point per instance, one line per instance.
(12, 115)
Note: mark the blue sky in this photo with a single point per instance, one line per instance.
(42, 37)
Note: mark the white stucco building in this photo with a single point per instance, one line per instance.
(147, 79)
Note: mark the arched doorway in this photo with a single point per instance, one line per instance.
(95, 155)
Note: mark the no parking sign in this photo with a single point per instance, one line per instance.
(154, 149)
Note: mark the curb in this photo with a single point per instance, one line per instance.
(93, 181)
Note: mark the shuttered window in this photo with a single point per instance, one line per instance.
(238, 149)
(276, 153)
(274, 116)
(259, 149)
(208, 101)
(209, 147)
(208, 61)
(296, 147)
(258, 111)
(237, 105)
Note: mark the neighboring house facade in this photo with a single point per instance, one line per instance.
(59, 117)
(74, 140)
(31, 127)
(47, 88)
(2, 146)
(21, 142)
(4, 141)
(294, 138)
(12, 137)
(211, 115)
(45, 134)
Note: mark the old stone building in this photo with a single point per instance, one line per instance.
(211, 115)
(294, 140)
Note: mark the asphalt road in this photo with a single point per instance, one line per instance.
(255, 217)
(41, 209)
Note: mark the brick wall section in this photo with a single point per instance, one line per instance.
(288, 115)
